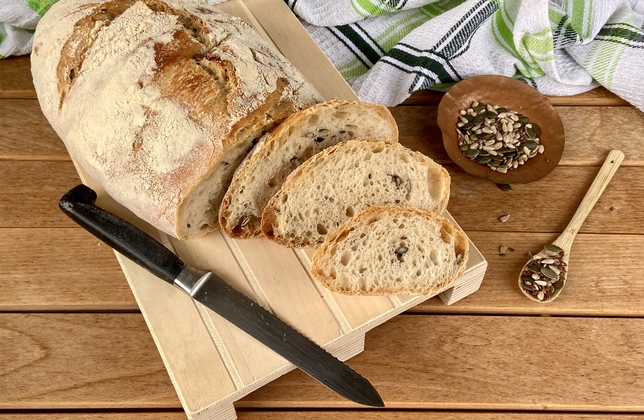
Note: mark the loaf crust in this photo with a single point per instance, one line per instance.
(387, 250)
(295, 140)
(159, 101)
(342, 180)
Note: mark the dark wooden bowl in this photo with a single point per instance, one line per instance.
(512, 94)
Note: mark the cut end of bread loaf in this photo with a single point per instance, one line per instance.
(299, 137)
(387, 250)
(342, 180)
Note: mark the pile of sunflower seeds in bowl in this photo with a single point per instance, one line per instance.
(544, 275)
(497, 137)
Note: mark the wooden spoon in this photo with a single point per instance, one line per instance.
(543, 277)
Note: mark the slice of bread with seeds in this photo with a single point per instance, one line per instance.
(295, 140)
(387, 250)
(342, 180)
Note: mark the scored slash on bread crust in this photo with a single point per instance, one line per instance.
(296, 139)
(386, 250)
(340, 181)
(160, 100)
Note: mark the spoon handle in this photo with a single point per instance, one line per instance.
(608, 169)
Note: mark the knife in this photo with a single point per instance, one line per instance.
(213, 292)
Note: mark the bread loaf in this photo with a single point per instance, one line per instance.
(340, 181)
(295, 140)
(387, 250)
(160, 100)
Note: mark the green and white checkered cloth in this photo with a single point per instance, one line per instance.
(387, 49)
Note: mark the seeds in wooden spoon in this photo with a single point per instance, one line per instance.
(497, 137)
(545, 274)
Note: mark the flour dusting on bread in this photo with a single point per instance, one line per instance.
(159, 101)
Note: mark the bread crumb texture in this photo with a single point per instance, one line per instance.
(159, 101)
(299, 137)
(392, 250)
(341, 181)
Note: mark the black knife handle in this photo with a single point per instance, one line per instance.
(127, 239)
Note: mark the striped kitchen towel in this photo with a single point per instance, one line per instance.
(18, 19)
(387, 49)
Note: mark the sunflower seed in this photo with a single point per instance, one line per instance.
(504, 218)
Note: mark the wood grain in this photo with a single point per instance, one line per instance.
(549, 204)
(596, 97)
(37, 262)
(80, 361)
(604, 277)
(16, 82)
(63, 269)
(26, 134)
(490, 363)
(15, 78)
(587, 130)
(327, 414)
(590, 133)
(29, 193)
(454, 362)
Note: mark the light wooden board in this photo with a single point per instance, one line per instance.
(108, 360)
(210, 362)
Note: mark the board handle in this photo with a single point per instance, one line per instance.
(79, 204)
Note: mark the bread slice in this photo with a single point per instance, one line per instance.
(387, 250)
(300, 136)
(340, 181)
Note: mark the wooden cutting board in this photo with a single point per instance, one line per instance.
(211, 362)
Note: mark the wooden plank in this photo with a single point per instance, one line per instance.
(36, 265)
(453, 362)
(590, 133)
(26, 133)
(15, 78)
(604, 278)
(29, 193)
(80, 361)
(596, 97)
(63, 269)
(16, 82)
(326, 414)
(28, 136)
(490, 363)
(548, 205)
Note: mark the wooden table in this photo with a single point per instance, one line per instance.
(73, 344)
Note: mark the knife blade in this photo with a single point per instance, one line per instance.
(213, 292)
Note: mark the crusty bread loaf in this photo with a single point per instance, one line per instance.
(340, 181)
(160, 100)
(295, 140)
(387, 250)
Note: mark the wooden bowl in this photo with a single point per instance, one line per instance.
(512, 94)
